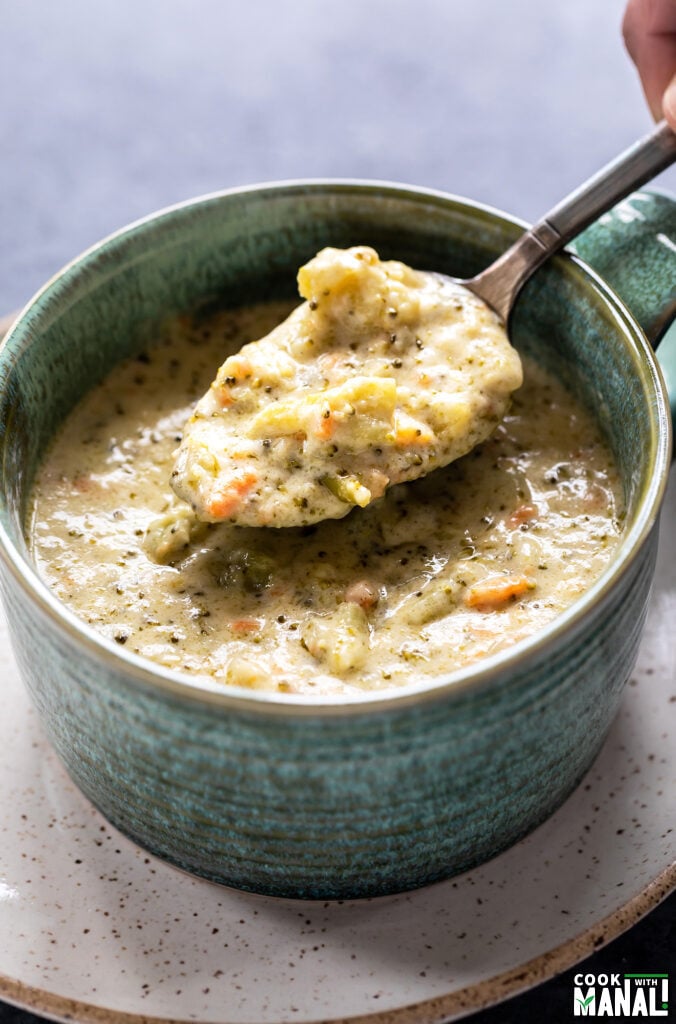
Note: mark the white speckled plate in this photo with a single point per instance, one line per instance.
(94, 929)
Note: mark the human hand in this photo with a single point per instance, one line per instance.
(649, 29)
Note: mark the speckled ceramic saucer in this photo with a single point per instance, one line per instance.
(94, 929)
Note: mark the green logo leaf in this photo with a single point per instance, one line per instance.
(585, 1002)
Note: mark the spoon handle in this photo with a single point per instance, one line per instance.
(501, 282)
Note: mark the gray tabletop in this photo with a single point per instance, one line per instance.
(109, 111)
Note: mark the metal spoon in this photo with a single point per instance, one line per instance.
(500, 283)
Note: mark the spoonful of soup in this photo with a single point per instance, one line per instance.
(383, 374)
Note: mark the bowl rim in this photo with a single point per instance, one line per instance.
(488, 673)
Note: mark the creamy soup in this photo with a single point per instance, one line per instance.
(383, 374)
(434, 575)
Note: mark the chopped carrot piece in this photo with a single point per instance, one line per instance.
(326, 425)
(226, 501)
(237, 366)
(411, 431)
(223, 394)
(245, 625)
(521, 515)
(497, 590)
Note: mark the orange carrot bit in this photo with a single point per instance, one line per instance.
(243, 626)
(522, 515)
(230, 496)
(410, 431)
(235, 369)
(497, 590)
(326, 425)
(223, 394)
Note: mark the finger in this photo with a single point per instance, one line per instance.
(649, 29)
(669, 103)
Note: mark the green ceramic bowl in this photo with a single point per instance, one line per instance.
(281, 794)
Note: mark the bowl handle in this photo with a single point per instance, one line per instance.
(633, 248)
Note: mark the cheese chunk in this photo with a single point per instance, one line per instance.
(383, 374)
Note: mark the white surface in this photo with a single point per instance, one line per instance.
(86, 915)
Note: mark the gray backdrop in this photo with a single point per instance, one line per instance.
(109, 110)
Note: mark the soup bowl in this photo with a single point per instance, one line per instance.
(373, 793)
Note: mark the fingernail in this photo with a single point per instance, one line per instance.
(669, 102)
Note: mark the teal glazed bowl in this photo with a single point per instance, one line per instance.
(283, 794)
